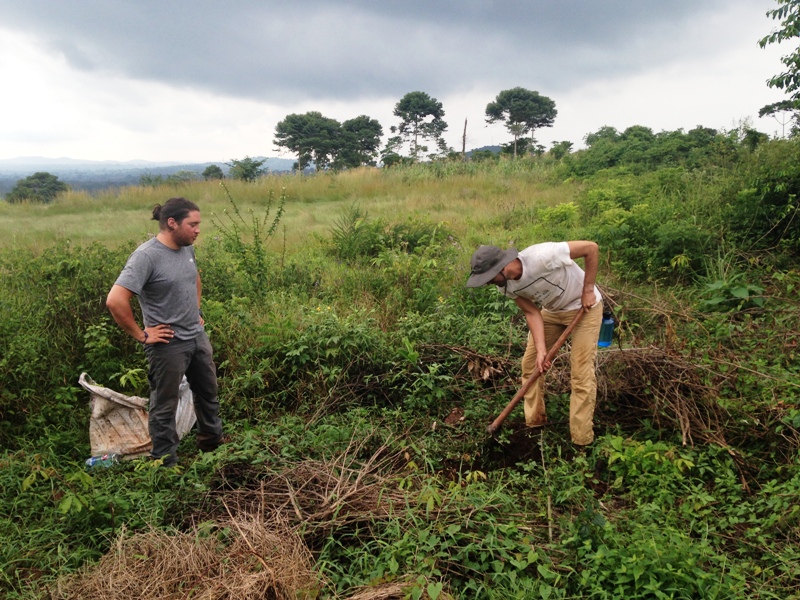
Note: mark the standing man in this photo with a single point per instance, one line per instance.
(550, 289)
(163, 275)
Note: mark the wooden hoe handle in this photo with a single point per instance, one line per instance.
(535, 375)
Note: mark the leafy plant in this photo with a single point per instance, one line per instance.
(353, 236)
(248, 242)
(727, 289)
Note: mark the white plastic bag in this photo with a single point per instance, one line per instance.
(118, 423)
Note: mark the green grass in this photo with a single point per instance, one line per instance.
(463, 201)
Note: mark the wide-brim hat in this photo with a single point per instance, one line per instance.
(487, 262)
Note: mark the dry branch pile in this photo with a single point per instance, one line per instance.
(242, 558)
(664, 386)
(322, 495)
(479, 366)
(647, 382)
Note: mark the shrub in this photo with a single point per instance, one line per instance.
(55, 327)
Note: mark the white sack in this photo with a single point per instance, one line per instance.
(118, 423)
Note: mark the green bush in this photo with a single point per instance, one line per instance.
(649, 240)
(247, 240)
(56, 325)
(762, 213)
(39, 187)
(353, 236)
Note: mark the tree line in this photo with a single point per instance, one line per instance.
(356, 142)
(329, 144)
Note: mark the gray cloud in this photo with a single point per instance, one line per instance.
(281, 52)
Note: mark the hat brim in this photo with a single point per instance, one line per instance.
(479, 279)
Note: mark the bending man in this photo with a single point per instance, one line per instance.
(163, 275)
(549, 287)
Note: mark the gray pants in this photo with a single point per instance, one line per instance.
(168, 364)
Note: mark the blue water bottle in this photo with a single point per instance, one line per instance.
(104, 460)
(606, 329)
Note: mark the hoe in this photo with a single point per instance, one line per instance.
(535, 375)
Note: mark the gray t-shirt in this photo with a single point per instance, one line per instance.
(165, 282)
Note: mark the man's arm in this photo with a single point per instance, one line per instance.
(119, 305)
(533, 317)
(199, 298)
(590, 254)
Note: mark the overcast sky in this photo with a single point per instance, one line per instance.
(205, 80)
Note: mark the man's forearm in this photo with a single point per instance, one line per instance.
(533, 318)
(125, 319)
(590, 269)
(118, 303)
(536, 328)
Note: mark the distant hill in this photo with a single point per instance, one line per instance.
(492, 149)
(25, 162)
(98, 175)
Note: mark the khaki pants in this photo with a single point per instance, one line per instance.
(582, 365)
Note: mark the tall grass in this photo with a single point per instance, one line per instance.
(462, 198)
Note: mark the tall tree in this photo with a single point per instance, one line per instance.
(421, 118)
(311, 136)
(39, 187)
(360, 139)
(390, 155)
(560, 149)
(246, 169)
(523, 111)
(788, 14)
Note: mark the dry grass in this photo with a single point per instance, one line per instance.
(243, 558)
(398, 590)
